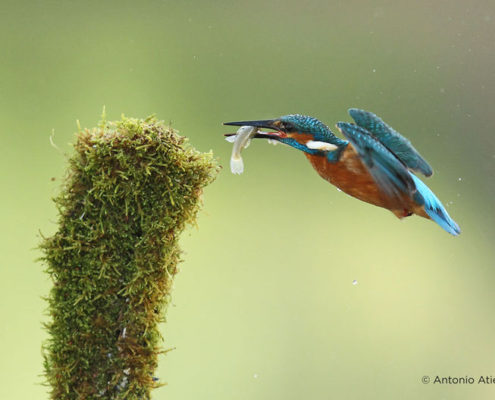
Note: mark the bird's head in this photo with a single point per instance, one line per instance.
(300, 131)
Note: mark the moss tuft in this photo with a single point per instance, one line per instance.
(131, 187)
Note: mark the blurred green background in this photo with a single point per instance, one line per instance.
(265, 306)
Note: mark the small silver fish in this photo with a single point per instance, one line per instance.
(241, 141)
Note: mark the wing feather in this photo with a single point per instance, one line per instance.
(389, 173)
(391, 139)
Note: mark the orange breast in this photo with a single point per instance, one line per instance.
(352, 177)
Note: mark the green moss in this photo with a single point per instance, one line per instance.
(131, 187)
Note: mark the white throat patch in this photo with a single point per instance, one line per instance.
(323, 146)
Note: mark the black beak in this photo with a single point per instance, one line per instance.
(267, 124)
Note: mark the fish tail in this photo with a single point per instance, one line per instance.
(434, 208)
(236, 165)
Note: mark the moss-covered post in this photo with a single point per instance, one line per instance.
(131, 187)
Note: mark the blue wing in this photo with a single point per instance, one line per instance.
(392, 140)
(387, 170)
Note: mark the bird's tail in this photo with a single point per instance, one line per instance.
(434, 208)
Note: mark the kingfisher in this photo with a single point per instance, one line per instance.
(374, 163)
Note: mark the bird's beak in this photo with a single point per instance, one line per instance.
(267, 124)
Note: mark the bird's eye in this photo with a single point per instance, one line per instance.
(286, 126)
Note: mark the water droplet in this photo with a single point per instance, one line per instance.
(255, 376)
(374, 70)
(354, 282)
(460, 179)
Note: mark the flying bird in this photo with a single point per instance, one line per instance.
(374, 164)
